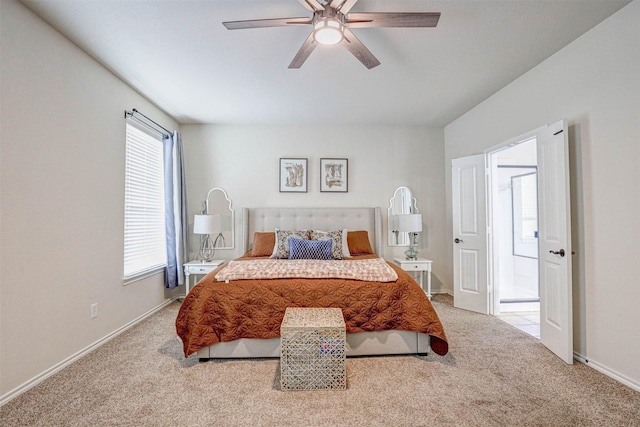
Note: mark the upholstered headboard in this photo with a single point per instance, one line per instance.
(327, 219)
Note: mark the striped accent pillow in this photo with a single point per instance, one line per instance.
(309, 249)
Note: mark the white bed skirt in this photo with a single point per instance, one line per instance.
(359, 344)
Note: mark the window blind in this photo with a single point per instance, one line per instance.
(144, 225)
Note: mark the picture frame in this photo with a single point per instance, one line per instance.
(293, 175)
(334, 175)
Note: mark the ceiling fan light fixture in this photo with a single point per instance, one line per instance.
(328, 31)
(332, 22)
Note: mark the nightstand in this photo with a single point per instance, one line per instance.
(421, 265)
(199, 267)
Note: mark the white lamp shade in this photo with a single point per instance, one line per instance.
(207, 224)
(411, 223)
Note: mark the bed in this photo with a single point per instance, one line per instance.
(230, 315)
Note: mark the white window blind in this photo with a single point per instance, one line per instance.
(144, 227)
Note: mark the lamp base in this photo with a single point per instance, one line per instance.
(207, 249)
(411, 254)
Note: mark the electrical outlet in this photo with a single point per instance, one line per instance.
(94, 310)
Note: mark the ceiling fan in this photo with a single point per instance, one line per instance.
(332, 23)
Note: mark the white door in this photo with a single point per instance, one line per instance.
(556, 318)
(469, 234)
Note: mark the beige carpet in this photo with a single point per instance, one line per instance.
(494, 375)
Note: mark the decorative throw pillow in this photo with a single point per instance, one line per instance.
(345, 246)
(281, 249)
(309, 249)
(263, 243)
(358, 242)
(336, 236)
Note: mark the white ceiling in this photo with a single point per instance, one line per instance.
(179, 55)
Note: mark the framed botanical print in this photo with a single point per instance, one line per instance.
(293, 175)
(334, 175)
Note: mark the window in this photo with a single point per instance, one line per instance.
(144, 227)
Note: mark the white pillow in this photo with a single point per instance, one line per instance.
(345, 244)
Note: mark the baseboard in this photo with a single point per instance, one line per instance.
(607, 371)
(12, 394)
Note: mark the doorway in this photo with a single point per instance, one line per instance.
(474, 269)
(514, 216)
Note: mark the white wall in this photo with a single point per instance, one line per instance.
(244, 160)
(62, 177)
(594, 83)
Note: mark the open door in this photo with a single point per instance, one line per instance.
(556, 313)
(471, 288)
(470, 261)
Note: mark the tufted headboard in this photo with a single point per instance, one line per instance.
(327, 219)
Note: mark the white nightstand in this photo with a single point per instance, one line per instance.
(423, 266)
(199, 267)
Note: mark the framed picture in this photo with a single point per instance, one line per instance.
(293, 175)
(334, 175)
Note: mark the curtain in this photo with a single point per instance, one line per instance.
(175, 210)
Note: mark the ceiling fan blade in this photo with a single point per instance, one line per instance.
(343, 6)
(304, 52)
(312, 5)
(262, 23)
(358, 50)
(392, 19)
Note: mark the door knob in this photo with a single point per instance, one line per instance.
(457, 240)
(560, 252)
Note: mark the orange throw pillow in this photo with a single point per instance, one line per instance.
(263, 243)
(358, 242)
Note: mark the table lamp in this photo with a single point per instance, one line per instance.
(412, 224)
(206, 225)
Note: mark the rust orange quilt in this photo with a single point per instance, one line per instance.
(216, 311)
